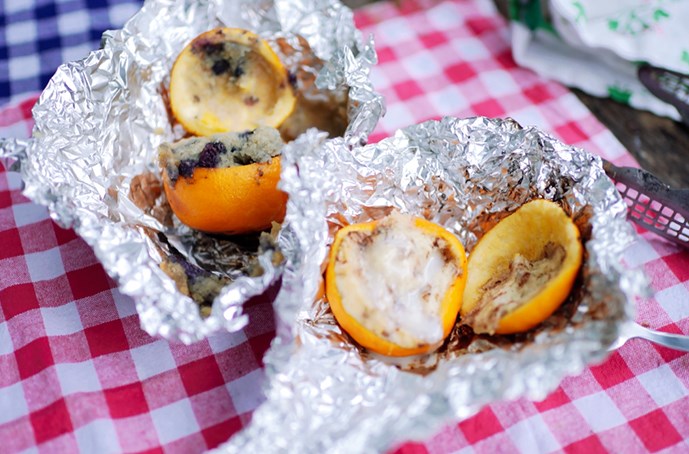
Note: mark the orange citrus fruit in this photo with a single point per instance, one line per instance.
(229, 79)
(395, 285)
(228, 200)
(522, 269)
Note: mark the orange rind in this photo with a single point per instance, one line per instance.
(395, 285)
(231, 201)
(229, 79)
(210, 187)
(522, 269)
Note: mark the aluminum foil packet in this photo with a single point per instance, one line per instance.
(324, 393)
(93, 155)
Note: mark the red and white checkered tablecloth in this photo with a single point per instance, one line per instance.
(77, 372)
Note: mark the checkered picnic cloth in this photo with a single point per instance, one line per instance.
(77, 372)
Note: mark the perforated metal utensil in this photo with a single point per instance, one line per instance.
(656, 207)
(651, 203)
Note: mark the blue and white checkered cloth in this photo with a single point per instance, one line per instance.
(36, 36)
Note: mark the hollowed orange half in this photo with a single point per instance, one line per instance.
(355, 298)
(228, 200)
(229, 79)
(522, 270)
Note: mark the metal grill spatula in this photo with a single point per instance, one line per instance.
(656, 207)
(651, 203)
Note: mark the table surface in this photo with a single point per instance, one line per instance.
(78, 373)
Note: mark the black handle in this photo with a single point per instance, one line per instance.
(669, 86)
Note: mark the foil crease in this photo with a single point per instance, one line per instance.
(99, 123)
(326, 395)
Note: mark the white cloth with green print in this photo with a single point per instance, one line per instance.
(597, 45)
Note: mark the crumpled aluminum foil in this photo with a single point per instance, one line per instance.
(100, 121)
(326, 395)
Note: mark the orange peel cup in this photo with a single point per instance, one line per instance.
(449, 306)
(229, 200)
(526, 232)
(229, 80)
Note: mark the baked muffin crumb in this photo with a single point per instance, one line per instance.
(219, 151)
